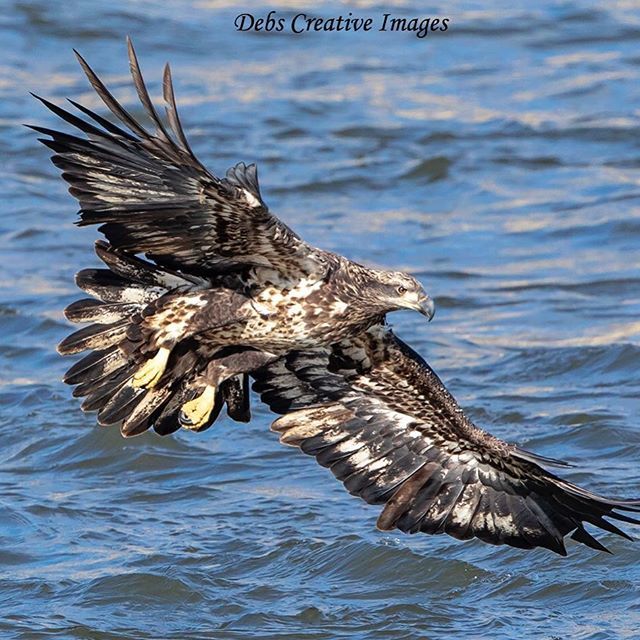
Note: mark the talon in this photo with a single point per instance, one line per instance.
(151, 371)
(195, 413)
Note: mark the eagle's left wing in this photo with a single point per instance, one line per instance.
(375, 413)
(151, 195)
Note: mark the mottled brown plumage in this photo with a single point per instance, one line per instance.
(203, 286)
(374, 412)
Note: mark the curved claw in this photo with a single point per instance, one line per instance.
(195, 413)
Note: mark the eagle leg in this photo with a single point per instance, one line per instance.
(151, 371)
(195, 413)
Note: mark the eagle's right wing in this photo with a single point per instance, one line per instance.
(375, 413)
(151, 195)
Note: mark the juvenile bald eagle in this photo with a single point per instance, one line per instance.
(225, 290)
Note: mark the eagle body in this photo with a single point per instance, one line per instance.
(319, 309)
(203, 288)
(267, 312)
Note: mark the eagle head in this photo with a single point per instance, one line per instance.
(395, 290)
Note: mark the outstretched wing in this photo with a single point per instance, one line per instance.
(374, 412)
(150, 194)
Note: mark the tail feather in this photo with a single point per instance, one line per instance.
(91, 386)
(90, 310)
(138, 420)
(121, 404)
(109, 287)
(138, 429)
(99, 396)
(96, 366)
(95, 336)
(138, 270)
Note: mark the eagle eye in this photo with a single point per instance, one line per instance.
(401, 290)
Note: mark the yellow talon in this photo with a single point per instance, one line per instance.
(195, 413)
(151, 371)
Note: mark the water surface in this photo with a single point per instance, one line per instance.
(499, 162)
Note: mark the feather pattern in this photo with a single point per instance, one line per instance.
(138, 303)
(150, 194)
(386, 426)
(227, 289)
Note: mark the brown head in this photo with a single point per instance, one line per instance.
(384, 291)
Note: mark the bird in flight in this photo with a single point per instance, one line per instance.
(204, 289)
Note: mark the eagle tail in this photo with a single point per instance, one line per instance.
(122, 295)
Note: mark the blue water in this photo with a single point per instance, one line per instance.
(499, 162)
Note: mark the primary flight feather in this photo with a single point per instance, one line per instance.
(203, 287)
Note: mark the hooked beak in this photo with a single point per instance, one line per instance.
(426, 307)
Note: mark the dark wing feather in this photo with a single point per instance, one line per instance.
(374, 412)
(150, 194)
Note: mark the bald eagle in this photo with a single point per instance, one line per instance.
(204, 288)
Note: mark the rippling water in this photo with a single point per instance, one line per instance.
(498, 161)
